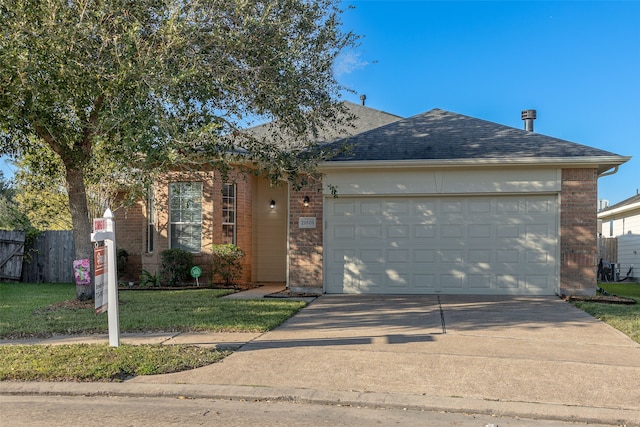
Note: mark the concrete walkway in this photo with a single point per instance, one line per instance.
(515, 356)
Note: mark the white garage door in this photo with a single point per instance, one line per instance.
(449, 245)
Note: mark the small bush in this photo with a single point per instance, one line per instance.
(226, 262)
(175, 265)
(123, 258)
(148, 279)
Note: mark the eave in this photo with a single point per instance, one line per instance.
(602, 163)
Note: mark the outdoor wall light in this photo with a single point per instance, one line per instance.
(306, 201)
(272, 204)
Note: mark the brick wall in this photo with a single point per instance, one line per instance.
(130, 235)
(305, 244)
(578, 242)
(131, 225)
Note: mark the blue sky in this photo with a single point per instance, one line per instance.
(577, 63)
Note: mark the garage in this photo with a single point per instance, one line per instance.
(443, 203)
(489, 244)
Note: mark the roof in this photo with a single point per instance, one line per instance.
(626, 205)
(440, 135)
(364, 119)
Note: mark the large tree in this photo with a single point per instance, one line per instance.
(139, 85)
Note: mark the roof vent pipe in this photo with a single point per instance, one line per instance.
(362, 98)
(528, 116)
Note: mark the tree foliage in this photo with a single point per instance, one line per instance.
(123, 88)
(40, 191)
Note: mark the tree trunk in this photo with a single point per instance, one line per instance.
(81, 226)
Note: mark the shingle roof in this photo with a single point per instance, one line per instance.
(443, 135)
(365, 119)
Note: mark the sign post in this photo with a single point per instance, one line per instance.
(104, 230)
(195, 273)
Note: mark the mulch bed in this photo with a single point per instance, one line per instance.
(607, 299)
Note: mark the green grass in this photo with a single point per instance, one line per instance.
(42, 310)
(91, 362)
(625, 318)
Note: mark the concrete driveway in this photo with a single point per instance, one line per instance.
(516, 349)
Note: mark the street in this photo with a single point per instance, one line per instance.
(65, 411)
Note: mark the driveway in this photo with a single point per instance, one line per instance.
(517, 349)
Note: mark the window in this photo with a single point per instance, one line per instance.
(185, 215)
(229, 213)
(150, 221)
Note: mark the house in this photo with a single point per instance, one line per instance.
(622, 222)
(435, 203)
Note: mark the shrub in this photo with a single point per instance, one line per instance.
(148, 279)
(123, 258)
(226, 262)
(175, 265)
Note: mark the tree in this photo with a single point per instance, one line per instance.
(11, 218)
(40, 191)
(136, 86)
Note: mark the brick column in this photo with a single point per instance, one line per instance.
(578, 228)
(305, 244)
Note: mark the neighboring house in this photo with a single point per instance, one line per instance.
(622, 221)
(438, 203)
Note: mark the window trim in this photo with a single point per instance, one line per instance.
(234, 210)
(171, 244)
(151, 220)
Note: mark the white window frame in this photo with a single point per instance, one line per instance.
(151, 221)
(229, 212)
(185, 216)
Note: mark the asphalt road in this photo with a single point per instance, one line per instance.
(67, 411)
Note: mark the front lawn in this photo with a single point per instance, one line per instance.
(625, 318)
(43, 310)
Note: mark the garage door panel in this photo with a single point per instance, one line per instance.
(480, 281)
(398, 231)
(344, 232)
(451, 256)
(479, 256)
(480, 231)
(508, 231)
(370, 231)
(343, 208)
(452, 231)
(370, 208)
(399, 256)
(424, 256)
(480, 206)
(484, 244)
(424, 231)
(537, 257)
(424, 281)
(537, 282)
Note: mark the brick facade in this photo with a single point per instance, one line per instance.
(305, 244)
(578, 245)
(131, 224)
(578, 225)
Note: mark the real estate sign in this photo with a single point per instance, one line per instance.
(101, 269)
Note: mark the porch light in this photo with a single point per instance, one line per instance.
(306, 201)
(272, 204)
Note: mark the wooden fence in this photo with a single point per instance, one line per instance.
(50, 258)
(11, 253)
(608, 249)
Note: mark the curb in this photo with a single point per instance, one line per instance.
(538, 411)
